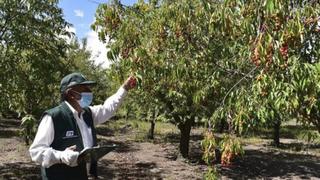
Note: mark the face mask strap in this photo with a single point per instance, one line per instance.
(75, 92)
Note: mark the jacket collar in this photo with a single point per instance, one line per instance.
(73, 111)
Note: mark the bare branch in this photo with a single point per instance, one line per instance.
(233, 71)
(237, 84)
(95, 2)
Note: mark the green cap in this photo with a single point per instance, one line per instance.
(74, 79)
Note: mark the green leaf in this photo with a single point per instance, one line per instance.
(270, 5)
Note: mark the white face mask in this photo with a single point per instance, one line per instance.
(86, 99)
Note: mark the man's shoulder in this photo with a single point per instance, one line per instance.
(54, 111)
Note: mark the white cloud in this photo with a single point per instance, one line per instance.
(78, 13)
(98, 49)
(70, 29)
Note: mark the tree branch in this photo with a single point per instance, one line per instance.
(95, 2)
(232, 71)
(237, 84)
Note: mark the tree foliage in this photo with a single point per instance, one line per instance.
(166, 54)
(35, 54)
(277, 34)
(249, 63)
(31, 51)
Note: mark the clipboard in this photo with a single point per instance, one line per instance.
(95, 153)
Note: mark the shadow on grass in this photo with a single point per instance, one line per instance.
(8, 132)
(9, 128)
(122, 146)
(110, 169)
(286, 131)
(175, 137)
(294, 131)
(195, 154)
(10, 122)
(298, 146)
(20, 170)
(258, 164)
(104, 131)
(195, 150)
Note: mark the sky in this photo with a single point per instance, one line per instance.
(81, 14)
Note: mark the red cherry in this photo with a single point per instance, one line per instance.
(132, 82)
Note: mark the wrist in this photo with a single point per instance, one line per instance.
(60, 157)
(125, 87)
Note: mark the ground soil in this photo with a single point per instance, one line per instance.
(158, 159)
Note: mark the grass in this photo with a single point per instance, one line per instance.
(295, 138)
(298, 132)
(252, 140)
(141, 128)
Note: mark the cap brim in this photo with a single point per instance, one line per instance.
(87, 83)
(90, 83)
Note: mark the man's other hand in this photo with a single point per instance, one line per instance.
(69, 156)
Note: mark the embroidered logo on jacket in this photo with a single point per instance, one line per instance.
(69, 133)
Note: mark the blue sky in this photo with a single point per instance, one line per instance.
(81, 13)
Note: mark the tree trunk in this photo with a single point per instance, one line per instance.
(26, 140)
(222, 125)
(127, 114)
(151, 130)
(316, 123)
(276, 133)
(185, 129)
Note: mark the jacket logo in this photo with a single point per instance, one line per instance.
(69, 133)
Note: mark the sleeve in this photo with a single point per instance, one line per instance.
(40, 150)
(101, 113)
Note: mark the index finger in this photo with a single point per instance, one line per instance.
(74, 147)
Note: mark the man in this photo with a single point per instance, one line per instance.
(70, 127)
